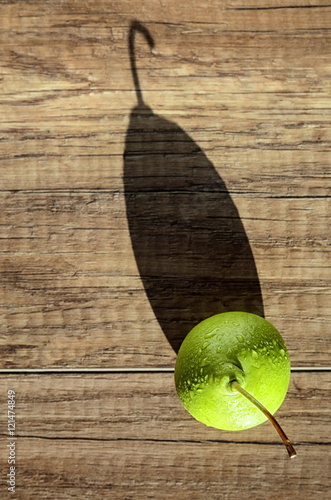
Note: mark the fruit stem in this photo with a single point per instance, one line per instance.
(290, 449)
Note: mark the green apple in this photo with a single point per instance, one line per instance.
(232, 372)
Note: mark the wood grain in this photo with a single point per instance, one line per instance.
(67, 281)
(254, 96)
(246, 86)
(145, 405)
(127, 434)
(67, 469)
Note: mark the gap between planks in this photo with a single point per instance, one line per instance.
(129, 370)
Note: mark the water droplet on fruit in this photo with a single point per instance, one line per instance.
(205, 345)
(204, 362)
(211, 334)
(254, 354)
(240, 338)
(282, 352)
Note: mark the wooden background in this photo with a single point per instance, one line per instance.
(97, 414)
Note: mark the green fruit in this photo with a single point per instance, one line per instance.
(225, 360)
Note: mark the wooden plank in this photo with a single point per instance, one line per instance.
(69, 272)
(245, 87)
(127, 435)
(127, 405)
(71, 469)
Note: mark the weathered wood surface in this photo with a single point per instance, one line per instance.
(249, 85)
(127, 436)
(244, 86)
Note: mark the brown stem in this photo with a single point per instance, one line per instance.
(290, 449)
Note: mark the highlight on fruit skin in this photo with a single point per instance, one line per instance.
(233, 371)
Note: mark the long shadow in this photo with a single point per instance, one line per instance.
(190, 245)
